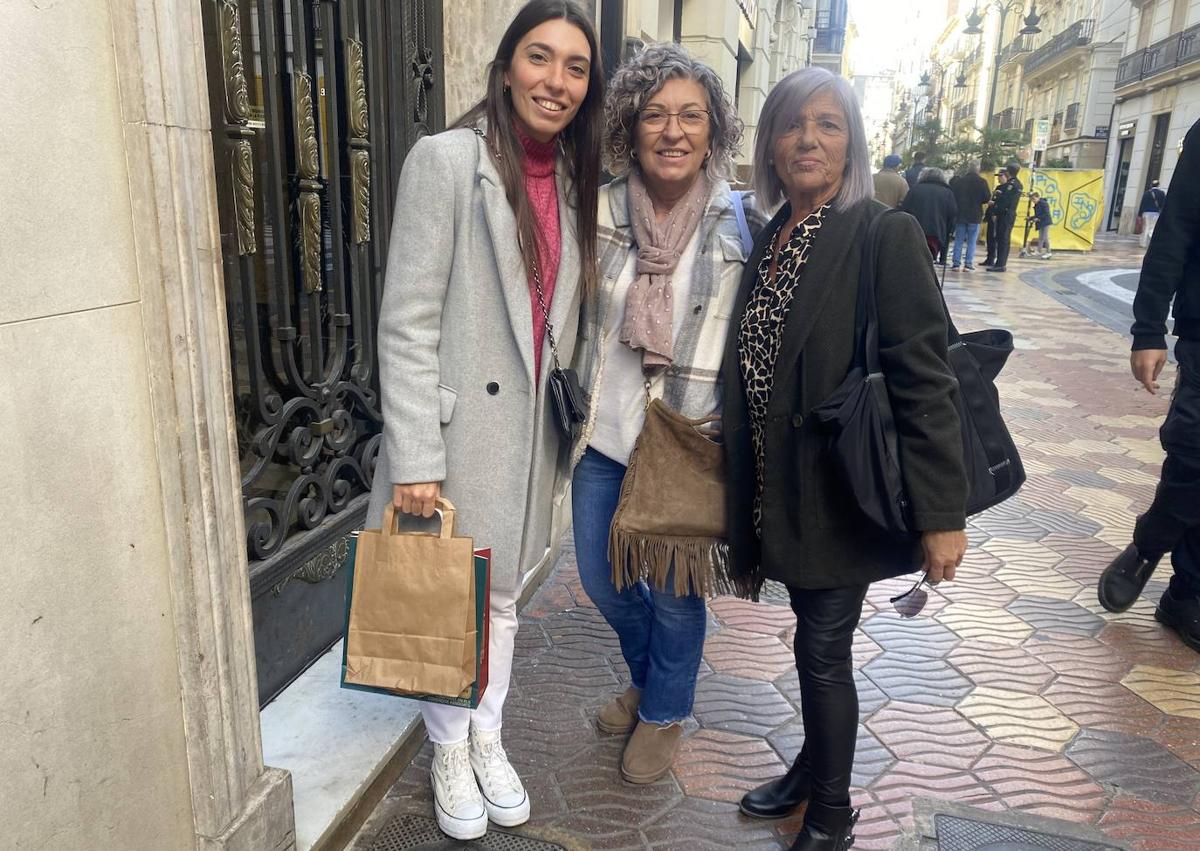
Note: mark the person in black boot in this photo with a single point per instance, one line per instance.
(791, 344)
(989, 216)
(1171, 269)
(1008, 197)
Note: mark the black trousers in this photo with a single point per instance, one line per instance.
(825, 622)
(1172, 523)
(991, 238)
(1004, 226)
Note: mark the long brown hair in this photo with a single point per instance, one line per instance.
(580, 139)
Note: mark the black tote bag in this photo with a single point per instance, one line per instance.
(862, 428)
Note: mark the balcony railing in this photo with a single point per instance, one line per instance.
(1172, 52)
(829, 41)
(1019, 46)
(1071, 120)
(1076, 35)
(1009, 119)
(963, 112)
(972, 58)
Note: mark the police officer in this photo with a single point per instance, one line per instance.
(989, 215)
(1008, 196)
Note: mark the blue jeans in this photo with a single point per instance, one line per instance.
(968, 234)
(661, 635)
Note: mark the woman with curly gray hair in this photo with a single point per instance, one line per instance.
(672, 242)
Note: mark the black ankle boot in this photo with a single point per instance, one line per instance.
(777, 798)
(826, 828)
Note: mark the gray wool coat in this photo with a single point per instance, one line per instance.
(461, 404)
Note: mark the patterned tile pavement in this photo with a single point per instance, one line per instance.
(1013, 691)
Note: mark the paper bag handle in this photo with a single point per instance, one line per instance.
(445, 510)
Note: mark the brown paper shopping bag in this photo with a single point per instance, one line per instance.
(412, 614)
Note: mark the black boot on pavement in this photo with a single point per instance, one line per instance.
(1123, 580)
(1181, 614)
(777, 798)
(826, 828)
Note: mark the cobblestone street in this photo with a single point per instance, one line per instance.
(1013, 691)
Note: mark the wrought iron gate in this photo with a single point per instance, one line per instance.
(314, 105)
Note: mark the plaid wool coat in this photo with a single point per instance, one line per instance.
(692, 384)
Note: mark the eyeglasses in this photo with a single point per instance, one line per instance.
(911, 602)
(689, 119)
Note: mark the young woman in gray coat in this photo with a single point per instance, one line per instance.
(495, 220)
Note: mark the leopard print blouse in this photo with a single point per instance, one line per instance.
(761, 331)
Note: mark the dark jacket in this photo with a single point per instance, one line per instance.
(1041, 213)
(1007, 197)
(813, 533)
(970, 194)
(933, 206)
(913, 173)
(1152, 201)
(1172, 265)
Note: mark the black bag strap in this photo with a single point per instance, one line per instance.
(866, 311)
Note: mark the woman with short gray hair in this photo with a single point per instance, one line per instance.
(791, 515)
(673, 241)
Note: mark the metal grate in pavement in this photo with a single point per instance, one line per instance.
(963, 834)
(420, 833)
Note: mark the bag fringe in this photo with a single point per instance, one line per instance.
(701, 565)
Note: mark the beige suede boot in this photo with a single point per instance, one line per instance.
(619, 715)
(650, 751)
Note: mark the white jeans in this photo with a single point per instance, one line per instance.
(1149, 220)
(449, 724)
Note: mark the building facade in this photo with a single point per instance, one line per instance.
(1067, 78)
(1157, 94)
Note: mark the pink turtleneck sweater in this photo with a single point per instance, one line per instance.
(543, 200)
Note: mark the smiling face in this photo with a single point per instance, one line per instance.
(671, 148)
(810, 157)
(548, 78)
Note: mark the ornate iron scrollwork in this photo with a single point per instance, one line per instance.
(243, 195)
(360, 155)
(308, 165)
(422, 74)
(321, 567)
(237, 112)
(237, 94)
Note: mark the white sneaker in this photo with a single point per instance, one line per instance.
(456, 799)
(1047, 256)
(504, 796)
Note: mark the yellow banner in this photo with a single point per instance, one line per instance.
(1076, 204)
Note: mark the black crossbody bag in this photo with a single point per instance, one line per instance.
(862, 426)
(566, 394)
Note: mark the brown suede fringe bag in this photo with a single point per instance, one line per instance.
(671, 510)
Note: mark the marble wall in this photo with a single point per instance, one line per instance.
(92, 751)
(471, 31)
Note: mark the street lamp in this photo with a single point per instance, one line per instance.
(974, 19)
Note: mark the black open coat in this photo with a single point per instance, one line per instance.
(814, 535)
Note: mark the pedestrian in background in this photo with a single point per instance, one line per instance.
(494, 237)
(989, 215)
(1170, 270)
(931, 202)
(671, 255)
(1008, 197)
(913, 173)
(791, 516)
(890, 185)
(970, 195)
(1043, 221)
(1149, 210)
